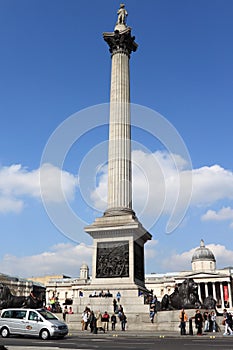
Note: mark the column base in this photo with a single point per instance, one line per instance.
(119, 212)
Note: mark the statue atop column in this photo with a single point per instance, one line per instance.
(122, 14)
(121, 38)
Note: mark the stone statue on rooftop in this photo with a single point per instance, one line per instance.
(122, 14)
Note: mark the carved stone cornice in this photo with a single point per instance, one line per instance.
(121, 41)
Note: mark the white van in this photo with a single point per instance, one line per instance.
(38, 322)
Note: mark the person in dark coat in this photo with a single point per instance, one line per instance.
(199, 322)
(92, 322)
(113, 320)
(123, 320)
(114, 305)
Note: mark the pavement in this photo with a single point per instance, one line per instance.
(143, 333)
(124, 334)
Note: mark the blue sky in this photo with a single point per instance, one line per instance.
(54, 63)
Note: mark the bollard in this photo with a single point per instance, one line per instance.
(190, 326)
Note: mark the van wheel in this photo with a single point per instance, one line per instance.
(5, 332)
(44, 334)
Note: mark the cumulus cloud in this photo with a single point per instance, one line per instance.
(60, 259)
(17, 183)
(157, 181)
(211, 184)
(224, 214)
(56, 185)
(162, 182)
(8, 205)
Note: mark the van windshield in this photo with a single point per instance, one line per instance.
(47, 315)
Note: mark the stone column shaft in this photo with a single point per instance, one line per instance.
(230, 294)
(119, 166)
(199, 292)
(214, 291)
(221, 294)
(121, 44)
(206, 290)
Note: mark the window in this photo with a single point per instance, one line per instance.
(33, 316)
(18, 314)
(7, 314)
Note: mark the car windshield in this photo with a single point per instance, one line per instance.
(47, 315)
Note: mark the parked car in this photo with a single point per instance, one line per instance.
(33, 322)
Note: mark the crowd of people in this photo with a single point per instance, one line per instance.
(54, 304)
(206, 322)
(101, 294)
(97, 321)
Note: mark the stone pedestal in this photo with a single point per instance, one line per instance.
(118, 252)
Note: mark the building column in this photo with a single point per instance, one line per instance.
(229, 294)
(206, 290)
(214, 291)
(199, 292)
(221, 294)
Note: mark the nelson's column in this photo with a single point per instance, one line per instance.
(118, 236)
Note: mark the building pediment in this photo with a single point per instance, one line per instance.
(203, 274)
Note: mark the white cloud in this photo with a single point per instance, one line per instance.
(17, 183)
(60, 259)
(8, 205)
(224, 256)
(226, 213)
(160, 179)
(211, 184)
(56, 185)
(157, 179)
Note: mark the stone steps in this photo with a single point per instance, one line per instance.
(163, 321)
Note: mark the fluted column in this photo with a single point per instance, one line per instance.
(119, 166)
(121, 45)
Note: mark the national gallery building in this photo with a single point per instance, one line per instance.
(211, 281)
